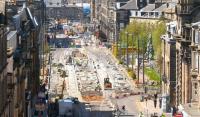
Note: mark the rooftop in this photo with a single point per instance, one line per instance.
(132, 4)
(161, 8)
(149, 7)
(11, 34)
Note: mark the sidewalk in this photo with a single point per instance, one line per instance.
(147, 107)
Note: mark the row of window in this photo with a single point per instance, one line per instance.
(3, 48)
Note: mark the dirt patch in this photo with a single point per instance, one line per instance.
(92, 98)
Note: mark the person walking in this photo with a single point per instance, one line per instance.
(123, 108)
(155, 103)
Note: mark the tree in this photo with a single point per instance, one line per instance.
(142, 30)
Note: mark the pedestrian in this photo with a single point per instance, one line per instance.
(123, 108)
(155, 103)
(160, 102)
(156, 96)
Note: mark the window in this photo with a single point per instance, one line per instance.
(195, 85)
(196, 37)
(122, 4)
(195, 61)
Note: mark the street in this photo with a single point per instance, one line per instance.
(89, 72)
(96, 63)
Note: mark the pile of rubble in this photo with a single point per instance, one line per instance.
(88, 82)
(89, 86)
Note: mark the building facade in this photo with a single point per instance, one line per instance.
(4, 93)
(169, 67)
(4, 101)
(183, 54)
(23, 25)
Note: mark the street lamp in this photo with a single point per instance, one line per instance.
(143, 61)
(120, 37)
(127, 62)
(138, 63)
(132, 50)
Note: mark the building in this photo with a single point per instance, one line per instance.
(11, 79)
(187, 17)
(152, 12)
(23, 54)
(107, 21)
(4, 101)
(169, 67)
(183, 55)
(126, 11)
(4, 91)
(168, 70)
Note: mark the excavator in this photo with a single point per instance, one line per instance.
(107, 84)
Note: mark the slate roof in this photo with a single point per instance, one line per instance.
(161, 8)
(149, 7)
(130, 5)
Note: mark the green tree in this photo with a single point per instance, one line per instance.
(142, 30)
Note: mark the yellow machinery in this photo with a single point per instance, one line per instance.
(107, 84)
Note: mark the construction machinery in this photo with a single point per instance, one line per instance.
(107, 83)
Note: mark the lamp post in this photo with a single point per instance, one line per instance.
(143, 61)
(120, 51)
(138, 63)
(124, 59)
(132, 50)
(127, 62)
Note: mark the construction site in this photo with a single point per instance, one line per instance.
(88, 81)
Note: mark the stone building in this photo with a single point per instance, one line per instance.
(4, 92)
(107, 20)
(4, 101)
(168, 70)
(11, 79)
(24, 24)
(182, 87)
(169, 67)
(187, 13)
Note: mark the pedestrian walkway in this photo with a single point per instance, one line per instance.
(147, 108)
